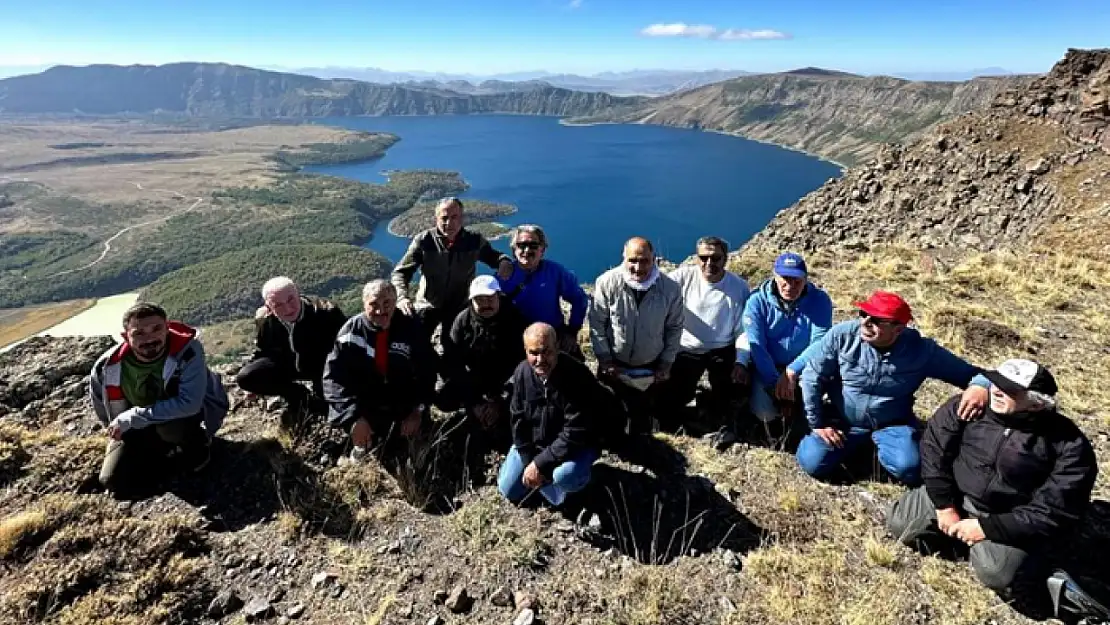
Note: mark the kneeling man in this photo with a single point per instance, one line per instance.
(556, 413)
(379, 376)
(161, 403)
(1006, 484)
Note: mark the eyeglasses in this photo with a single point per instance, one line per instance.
(878, 321)
(528, 245)
(710, 258)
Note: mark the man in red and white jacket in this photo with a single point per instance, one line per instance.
(160, 402)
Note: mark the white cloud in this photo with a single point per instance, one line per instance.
(575, 4)
(705, 31)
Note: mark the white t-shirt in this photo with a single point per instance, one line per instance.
(714, 311)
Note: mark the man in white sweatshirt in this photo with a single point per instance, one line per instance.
(712, 338)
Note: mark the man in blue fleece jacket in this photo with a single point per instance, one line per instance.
(870, 368)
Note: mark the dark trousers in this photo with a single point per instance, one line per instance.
(639, 406)
(913, 520)
(688, 368)
(434, 317)
(264, 376)
(141, 456)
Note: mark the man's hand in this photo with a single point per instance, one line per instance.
(608, 368)
(968, 531)
(739, 374)
(505, 269)
(532, 477)
(405, 306)
(361, 432)
(663, 373)
(120, 425)
(832, 436)
(784, 388)
(946, 518)
(487, 413)
(410, 426)
(973, 402)
(114, 432)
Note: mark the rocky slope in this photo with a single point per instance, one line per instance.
(218, 90)
(1032, 168)
(837, 116)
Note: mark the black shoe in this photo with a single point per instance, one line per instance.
(1071, 603)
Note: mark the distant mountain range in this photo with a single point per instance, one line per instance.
(830, 113)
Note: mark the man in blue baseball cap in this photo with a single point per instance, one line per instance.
(782, 319)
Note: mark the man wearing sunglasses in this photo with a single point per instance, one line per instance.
(447, 256)
(870, 368)
(782, 320)
(711, 340)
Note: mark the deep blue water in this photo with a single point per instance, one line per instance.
(593, 187)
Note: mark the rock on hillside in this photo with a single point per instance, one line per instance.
(1032, 168)
(837, 116)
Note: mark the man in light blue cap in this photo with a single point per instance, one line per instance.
(784, 317)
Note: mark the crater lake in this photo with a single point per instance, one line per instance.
(593, 187)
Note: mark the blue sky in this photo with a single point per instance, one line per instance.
(584, 36)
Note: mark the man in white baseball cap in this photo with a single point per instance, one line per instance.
(480, 353)
(1003, 487)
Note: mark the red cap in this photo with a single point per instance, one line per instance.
(886, 305)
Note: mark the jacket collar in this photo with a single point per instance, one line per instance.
(179, 335)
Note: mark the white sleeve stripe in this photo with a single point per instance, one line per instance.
(357, 340)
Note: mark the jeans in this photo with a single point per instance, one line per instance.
(763, 403)
(140, 456)
(569, 477)
(897, 445)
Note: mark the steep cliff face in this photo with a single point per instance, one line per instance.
(208, 89)
(837, 116)
(1032, 168)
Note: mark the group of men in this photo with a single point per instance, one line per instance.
(997, 468)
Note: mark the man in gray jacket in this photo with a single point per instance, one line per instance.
(636, 321)
(447, 257)
(160, 402)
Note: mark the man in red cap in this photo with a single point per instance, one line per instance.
(870, 368)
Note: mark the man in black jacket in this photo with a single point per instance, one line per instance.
(556, 413)
(294, 336)
(480, 354)
(378, 376)
(447, 256)
(1006, 485)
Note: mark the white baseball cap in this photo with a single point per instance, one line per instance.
(484, 285)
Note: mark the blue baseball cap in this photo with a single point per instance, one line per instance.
(790, 265)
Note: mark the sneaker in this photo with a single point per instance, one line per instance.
(1070, 602)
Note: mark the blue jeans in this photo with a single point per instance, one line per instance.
(569, 477)
(898, 447)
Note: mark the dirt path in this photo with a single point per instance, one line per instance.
(108, 244)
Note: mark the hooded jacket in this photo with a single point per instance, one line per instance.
(1031, 473)
(446, 271)
(305, 350)
(353, 386)
(871, 389)
(484, 352)
(780, 335)
(189, 386)
(556, 421)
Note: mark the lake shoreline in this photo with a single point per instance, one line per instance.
(728, 133)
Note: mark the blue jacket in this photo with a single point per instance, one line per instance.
(779, 338)
(870, 389)
(538, 300)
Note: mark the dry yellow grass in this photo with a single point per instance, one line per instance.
(17, 527)
(17, 324)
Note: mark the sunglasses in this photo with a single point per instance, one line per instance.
(710, 258)
(528, 245)
(879, 321)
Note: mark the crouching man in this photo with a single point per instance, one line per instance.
(379, 376)
(294, 335)
(556, 410)
(1006, 485)
(160, 402)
